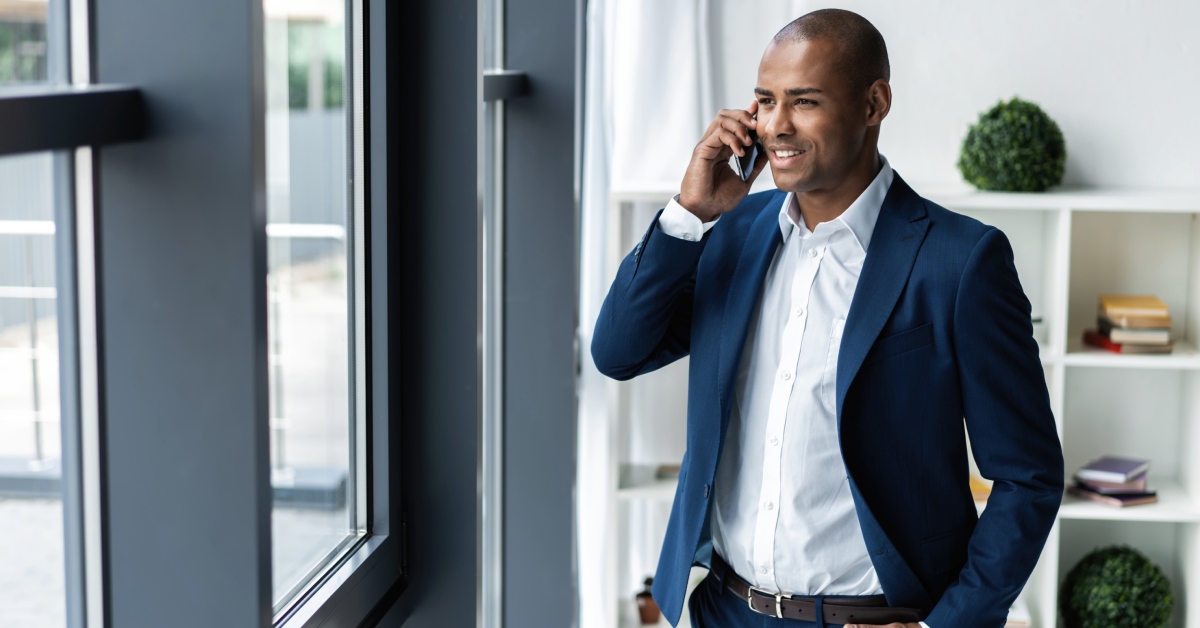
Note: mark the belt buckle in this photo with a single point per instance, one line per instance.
(778, 599)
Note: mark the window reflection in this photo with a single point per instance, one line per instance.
(32, 584)
(23, 42)
(308, 287)
(32, 589)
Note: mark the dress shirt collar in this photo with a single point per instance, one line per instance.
(860, 217)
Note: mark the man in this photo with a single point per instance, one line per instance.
(840, 329)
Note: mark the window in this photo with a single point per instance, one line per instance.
(32, 588)
(32, 197)
(314, 319)
(246, 372)
(211, 322)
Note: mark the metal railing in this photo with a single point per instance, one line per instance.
(35, 356)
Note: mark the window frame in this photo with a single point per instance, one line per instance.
(123, 136)
(205, 557)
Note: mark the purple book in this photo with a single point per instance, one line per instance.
(1119, 501)
(1113, 469)
(1134, 485)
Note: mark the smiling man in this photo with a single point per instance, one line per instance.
(840, 328)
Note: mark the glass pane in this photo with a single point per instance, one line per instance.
(32, 587)
(24, 53)
(32, 582)
(309, 287)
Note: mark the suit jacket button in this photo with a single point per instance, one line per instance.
(705, 491)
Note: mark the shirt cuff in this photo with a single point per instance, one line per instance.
(678, 222)
(923, 624)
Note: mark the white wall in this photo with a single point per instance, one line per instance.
(1121, 78)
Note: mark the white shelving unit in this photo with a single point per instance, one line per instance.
(1069, 246)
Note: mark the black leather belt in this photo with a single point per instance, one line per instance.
(837, 610)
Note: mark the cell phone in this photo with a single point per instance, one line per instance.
(744, 165)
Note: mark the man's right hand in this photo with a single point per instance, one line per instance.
(710, 187)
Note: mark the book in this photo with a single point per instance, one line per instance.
(1134, 322)
(980, 488)
(666, 472)
(1113, 469)
(1135, 336)
(1134, 485)
(1132, 305)
(1119, 501)
(1095, 338)
(1120, 494)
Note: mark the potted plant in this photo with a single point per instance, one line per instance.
(1014, 147)
(1116, 587)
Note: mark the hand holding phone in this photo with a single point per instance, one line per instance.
(744, 164)
(723, 165)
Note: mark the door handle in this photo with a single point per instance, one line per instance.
(504, 85)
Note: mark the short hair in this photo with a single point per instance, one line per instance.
(864, 53)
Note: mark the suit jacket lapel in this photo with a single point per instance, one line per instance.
(898, 234)
(744, 290)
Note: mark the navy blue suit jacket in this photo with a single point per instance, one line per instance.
(939, 329)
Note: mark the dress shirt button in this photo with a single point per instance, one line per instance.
(799, 311)
(762, 570)
(774, 440)
(770, 505)
(812, 252)
(688, 237)
(786, 375)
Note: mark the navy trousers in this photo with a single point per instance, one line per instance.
(714, 606)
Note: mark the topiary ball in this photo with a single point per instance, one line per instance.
(1015, 147)
(1116, 587)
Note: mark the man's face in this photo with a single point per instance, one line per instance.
(811, 120)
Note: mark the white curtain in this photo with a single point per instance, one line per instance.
(657, 71)
(648, 93)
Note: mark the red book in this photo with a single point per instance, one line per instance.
(1097, 339)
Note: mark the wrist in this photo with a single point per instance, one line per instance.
(696, 209)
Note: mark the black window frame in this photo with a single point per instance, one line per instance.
(173, 134)
(173, 146)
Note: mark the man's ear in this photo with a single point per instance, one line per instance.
(879, 102)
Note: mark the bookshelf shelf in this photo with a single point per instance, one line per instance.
(1048, 354)
(1069, 246)
(1173, 506)
(961, 197)
(659, 490)
(1184, 356)
(1120, 200)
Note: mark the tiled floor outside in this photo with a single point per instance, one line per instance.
(312, 324)
(31, 551)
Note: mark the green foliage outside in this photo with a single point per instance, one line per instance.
(1015, 147)
(22, 52)
(1116, 587)
(331, 48)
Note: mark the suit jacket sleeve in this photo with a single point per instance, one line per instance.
(646, 320)
(1013, 438)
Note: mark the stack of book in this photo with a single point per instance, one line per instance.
(1131, 324)
(1114, 481)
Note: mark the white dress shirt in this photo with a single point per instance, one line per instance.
(783, 517)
